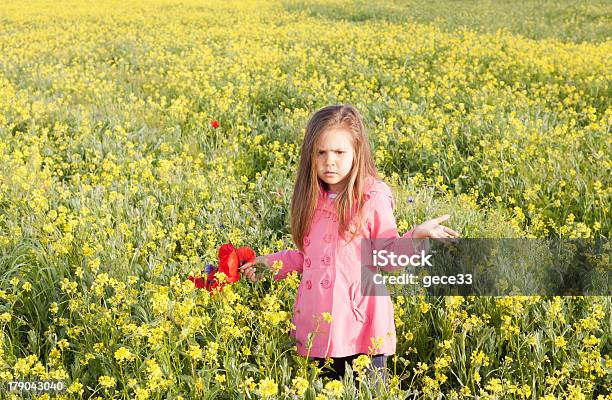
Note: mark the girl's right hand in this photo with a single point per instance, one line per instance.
(250, 271)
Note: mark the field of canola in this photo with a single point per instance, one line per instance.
(115, 185)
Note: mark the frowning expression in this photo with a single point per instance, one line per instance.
(334, 157)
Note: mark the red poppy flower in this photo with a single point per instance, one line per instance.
(215, 123)
(198, 282)
(230, 261)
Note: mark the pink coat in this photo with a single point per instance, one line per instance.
(331, 279)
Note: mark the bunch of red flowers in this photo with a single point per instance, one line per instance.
(230, 261)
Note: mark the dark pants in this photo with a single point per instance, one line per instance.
(337, 367)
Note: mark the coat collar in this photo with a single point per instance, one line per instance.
(328, 204)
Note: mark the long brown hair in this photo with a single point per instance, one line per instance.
(308, 186)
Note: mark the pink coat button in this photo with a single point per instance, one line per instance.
(329, 238)
(325, 283)
(307, 262)
(308, 285)
(326, 260)
(306, 241)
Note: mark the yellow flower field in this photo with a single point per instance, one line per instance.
(138, 136)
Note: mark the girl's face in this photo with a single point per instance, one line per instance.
(334, 157)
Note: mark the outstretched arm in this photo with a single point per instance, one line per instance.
(292, 260)
(432, 228)
(384, 234)
(383, 228)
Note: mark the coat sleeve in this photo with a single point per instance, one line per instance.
(383, 228)
(292, 260)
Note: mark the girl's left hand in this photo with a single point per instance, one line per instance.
(432, 229)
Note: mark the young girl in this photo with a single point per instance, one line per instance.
(337, 201)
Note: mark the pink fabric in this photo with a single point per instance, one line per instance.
(331, 279)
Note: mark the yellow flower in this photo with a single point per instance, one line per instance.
(465, 391)
(276, 266)
(376, 345)
(99, 347)
(5, 317)
(267, 388)
(75, 388)
(107, 382)
(300, 385)
(360, 364)
(220, 378)
(142, 393)
(495, 386)
(327, 317)
(195, 352)
(23, 365)
(424, 307)
(88, 357)
(55, 353)
(560, 342)
(421, 368)
(211, 353)
(249, 384)
(479, 358)
(123, 354)
(334, 388)
(590, 341)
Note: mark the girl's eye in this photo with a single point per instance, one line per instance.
(340, 152)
